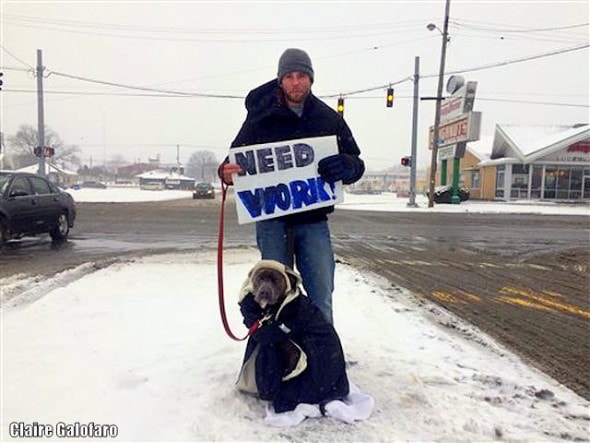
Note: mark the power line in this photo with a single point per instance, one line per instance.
(360, 91)
(536, 38)
(532, 102)
(16, 58)
(122, 94)
(11, 68)
(460, 71)
(465, 24)
(552, 34)
(518, 60)
(171, 93)
(233, 35)
(479, 98)
(398, 96)
(207, 31)
(142, 88)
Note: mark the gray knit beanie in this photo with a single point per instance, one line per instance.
(294, 60)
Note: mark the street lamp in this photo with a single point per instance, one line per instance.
(441, 74)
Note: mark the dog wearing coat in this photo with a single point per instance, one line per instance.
(294, 355)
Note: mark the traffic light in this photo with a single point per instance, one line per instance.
(389, 97)
(341, 106)
(407, 160)
(44, 152)
(1, 82)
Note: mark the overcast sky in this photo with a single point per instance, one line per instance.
(228, 48)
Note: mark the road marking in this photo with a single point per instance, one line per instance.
(456, 297)
(445, 296)
(542, 268)
(488, 265)
(468, 296)
(554, 294)
(524, 303)
(565, 307)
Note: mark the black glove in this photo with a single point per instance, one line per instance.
(269, 333)
(336, 167)
(251, 311)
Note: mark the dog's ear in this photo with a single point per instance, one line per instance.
(292, 280)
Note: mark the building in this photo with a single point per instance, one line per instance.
(529, 162)
(393, 180)
(130, 172)
(61, 176)
(163, 179)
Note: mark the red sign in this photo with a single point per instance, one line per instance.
(583, 146)
(451, 108)
(463, 129)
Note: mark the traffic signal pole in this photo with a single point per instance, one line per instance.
(40, 113)
(412, 202)
(436, 135)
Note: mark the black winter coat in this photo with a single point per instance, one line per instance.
(324, 376)
(270, 120)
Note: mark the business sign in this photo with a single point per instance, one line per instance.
(459, 103)
(446, 152)
(282, 178)
(457, 125)
(576, 153)
(465, 128)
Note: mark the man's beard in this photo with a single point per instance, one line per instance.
(297, 98)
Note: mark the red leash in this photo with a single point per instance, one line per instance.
(220, 270)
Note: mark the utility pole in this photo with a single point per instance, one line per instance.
(414, 165)
(2, 150)
(435, 137)
(40, 113)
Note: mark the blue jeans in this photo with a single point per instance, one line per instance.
(309, 245)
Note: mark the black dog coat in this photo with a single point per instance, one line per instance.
(295, 356)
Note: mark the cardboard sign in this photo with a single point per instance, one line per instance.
(282, 178)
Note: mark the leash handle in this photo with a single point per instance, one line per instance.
(220, 291)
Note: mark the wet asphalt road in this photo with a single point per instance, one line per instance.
(523, 279)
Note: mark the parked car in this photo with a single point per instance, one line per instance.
(32, 205)
(444, 194)
(89, 184)
(204, 190)
(93, 184)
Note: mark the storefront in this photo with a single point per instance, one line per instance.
(536, 163)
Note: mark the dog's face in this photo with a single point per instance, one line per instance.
(269, 287)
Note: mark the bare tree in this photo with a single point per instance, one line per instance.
(202, 165)
(22, 145)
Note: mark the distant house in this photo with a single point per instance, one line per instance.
(132, 171)
(162, 179)
(530, 162)
(56, 174)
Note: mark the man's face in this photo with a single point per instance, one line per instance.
(296, 86)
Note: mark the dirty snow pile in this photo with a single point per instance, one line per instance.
(139, 346)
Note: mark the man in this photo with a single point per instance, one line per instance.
(286, 109)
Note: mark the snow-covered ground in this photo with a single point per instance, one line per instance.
(374, 202)
(123, 194)
(389, 202)
(140, 345)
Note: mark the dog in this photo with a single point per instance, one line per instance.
(293, 354)
(269, 290)
(269, 286)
